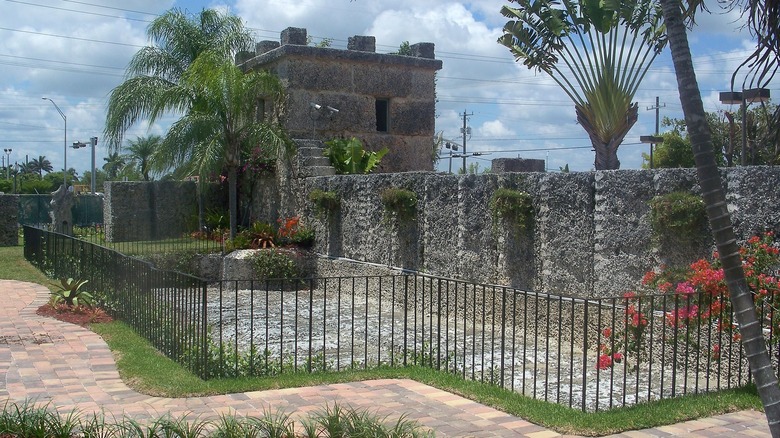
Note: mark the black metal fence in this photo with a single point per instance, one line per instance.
(87, 210)
(589, 354)
(165, 307)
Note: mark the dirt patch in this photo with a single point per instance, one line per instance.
(79, 315)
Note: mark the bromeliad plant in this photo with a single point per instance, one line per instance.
(69, 292)
(350, 157)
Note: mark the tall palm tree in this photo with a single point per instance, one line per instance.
(223, 121)
(114, 162)
(719, 217)
(40, 165)
(140, 154)
(178, 39)
(597, 52)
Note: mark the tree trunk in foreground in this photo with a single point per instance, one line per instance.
(720, 221)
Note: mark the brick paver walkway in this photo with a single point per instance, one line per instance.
(70, 367)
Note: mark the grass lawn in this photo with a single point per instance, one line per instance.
(147, 371)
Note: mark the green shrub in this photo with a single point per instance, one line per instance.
(513, 206)
(325, 202)
(349, 156)
(400, 202)
(278, 264)
(679, 214)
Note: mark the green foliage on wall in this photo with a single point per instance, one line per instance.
(399, 202)
(325, 202)
(513, 206)
(678, 214)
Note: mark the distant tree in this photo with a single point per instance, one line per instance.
(404, 49)
(114, 162)
(40, 165)
(140, 154)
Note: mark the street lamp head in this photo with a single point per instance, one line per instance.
(652, 139)
(730, 97)
(756, 95)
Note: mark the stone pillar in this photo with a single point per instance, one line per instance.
(9, 219)
(362, 43)
(61, 216)
(265, 46)
(294, 35)
(423, 50)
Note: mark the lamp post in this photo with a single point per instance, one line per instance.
(8, 160)
(743, 98)
(65, 145)
(92, 142)
(653, 140)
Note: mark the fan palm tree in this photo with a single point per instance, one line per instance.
(40, 165)
(177, 40)
(597, 52)
(223, 121)
(719, 217)
(140, 154)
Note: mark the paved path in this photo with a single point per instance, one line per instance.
(70, 367)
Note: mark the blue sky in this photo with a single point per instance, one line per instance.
(75, 52)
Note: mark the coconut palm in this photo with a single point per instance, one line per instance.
(40, 165)
(178, 39)
(140, 154)
(719, 217)
(597, 52)
(223, 122)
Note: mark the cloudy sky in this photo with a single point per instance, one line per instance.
(75, 52)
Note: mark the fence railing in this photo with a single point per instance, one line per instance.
(588, 354)
(165, 307)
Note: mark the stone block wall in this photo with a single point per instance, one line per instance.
(592, 235)
(9, 220)
(149, 210)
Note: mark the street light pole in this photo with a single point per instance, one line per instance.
(8, 160)
(65, 145)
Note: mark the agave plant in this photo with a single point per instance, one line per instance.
(71, 294)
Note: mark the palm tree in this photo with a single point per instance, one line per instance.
(764, 63)
(223, 121)
(719, 217)
(597, 52)
(40, 165)
(114, 163)
(154, 70)
(141, 152)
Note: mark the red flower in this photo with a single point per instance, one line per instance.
(604, 362)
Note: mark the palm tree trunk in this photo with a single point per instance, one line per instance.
(606, 152)
(720, 221)
(233, 199)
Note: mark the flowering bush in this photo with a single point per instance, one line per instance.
(701, 300)
(629, 339)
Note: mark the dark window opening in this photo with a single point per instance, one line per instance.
(382, 115)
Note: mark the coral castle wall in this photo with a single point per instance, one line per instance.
(592, 235)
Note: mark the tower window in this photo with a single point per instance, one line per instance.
(382, 115)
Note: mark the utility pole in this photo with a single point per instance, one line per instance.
(656, 108)
(465, 130)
